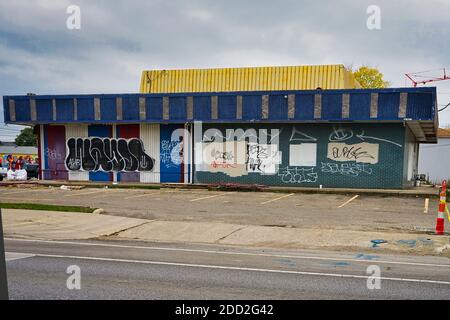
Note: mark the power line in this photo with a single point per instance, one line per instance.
(448, 104)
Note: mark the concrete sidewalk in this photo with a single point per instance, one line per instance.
(54, 225)
(69, 226)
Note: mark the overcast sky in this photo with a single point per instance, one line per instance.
(119, 39)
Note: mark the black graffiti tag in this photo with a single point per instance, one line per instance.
(107, 154)
(351, 153)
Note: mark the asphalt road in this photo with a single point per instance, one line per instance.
(136, 270)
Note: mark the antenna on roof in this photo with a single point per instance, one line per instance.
(424, 77)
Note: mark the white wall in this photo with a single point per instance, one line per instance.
(77, 131)
(434, 160)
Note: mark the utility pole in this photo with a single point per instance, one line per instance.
(3, 278)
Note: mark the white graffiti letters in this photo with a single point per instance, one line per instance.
(297, 175)
(346, 169)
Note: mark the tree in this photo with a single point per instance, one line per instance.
(26, 138)
(370, 78)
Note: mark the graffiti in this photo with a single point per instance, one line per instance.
(171, 153)
(74, 163)
(107, 154)
(340, 134)
(223, 165)
(222, 155)
(297, 135)
(263, 158)
(222, 159)
(363, 137)
(297, 175)
(346, 169)
(10, 160)
(53, 154)
(226, 157)
(361, 152)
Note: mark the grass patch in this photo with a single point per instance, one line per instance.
(46, 207)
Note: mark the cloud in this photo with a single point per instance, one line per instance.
(119, 39)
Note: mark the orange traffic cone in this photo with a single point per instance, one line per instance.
(442, 206)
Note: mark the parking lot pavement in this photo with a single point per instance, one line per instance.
(333, 211)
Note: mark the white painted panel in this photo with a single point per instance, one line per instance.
(304, 154)
(77, 131)
(149, 134)
(411, 160)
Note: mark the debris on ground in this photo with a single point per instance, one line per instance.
(377, 242)
(236, 187)
(64, 187)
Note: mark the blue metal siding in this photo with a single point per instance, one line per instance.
(6, 115)
(99, 131)
(169, 171)
(154, 108)
(415, 107)
(44, 110)
(177, 108)
(359, 106)
(420, 106)
(23, 110)
(130, 107)
(388, 104)
(85, 109)
(202, 108)
(64, 109)
(251, 107)
(331, 107)
(108, 109)
(227, 107)
(304, 106)
(278, 107)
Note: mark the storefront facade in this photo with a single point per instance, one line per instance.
(350, 138)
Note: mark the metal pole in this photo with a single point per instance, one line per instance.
(3, 278)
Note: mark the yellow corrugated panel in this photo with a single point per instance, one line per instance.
(248, 79)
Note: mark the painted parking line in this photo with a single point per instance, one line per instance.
(141, 195)
(83, 193)
(213, 196)
(11, 256)
(279, 198)
(111, 192)
(348, 201)
(14, 192)
(34, 199)
(22, 191)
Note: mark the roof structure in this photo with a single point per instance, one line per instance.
(248, 79)
(414, 106)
